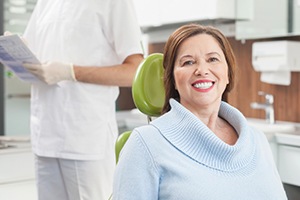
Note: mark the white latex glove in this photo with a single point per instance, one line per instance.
(7, 33)
(52, 72)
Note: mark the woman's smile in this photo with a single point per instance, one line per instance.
(203, 85)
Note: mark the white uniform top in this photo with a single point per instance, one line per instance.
(73, 120)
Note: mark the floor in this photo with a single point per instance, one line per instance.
(25, 190)
(293, 192)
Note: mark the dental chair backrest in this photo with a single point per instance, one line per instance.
(148, 89)
(148, 92)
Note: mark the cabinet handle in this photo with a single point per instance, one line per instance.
(22, 96)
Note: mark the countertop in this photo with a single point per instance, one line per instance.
(291, 138)
(282, 132)
(14, 144)
(131, 118)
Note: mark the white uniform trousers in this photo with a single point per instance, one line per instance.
(64, 179)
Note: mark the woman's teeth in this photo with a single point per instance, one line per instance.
(203, 85)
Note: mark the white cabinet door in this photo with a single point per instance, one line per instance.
(274, 147)
(148, 12)
(16, 166)
(152, 13)
(296, 17)
(270, 19)
(289, 164)
(176, 11)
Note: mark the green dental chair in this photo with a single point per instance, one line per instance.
(147, 91)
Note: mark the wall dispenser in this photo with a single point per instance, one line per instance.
(276, 60)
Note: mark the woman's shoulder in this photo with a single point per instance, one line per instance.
(146, 132)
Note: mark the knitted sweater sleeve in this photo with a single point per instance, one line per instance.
(136, 176)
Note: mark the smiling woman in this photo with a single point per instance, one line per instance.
(200, 72)
(209, 138)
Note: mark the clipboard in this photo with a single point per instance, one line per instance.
(14, 52)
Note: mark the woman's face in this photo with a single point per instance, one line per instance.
(200, 72)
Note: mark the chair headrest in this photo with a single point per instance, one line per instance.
(148, 89)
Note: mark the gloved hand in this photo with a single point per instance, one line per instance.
(52, 72)
(7, 33)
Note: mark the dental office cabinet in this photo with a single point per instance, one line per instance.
(17, 179)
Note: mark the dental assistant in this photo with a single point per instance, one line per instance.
(88, 48)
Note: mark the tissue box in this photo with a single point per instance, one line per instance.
(272, 56)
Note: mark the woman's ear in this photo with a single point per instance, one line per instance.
(227, 79)
(175, 86)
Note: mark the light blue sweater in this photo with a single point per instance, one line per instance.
(179, 157)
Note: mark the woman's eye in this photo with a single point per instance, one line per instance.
(213, 59)
(189, 62)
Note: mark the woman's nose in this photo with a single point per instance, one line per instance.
(201, 69)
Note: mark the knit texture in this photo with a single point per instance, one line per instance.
(197, 141)
(179, 157)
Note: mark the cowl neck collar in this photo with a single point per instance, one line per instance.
(193, 138)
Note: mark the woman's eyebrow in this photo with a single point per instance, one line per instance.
(213, 53)
(184, 56)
